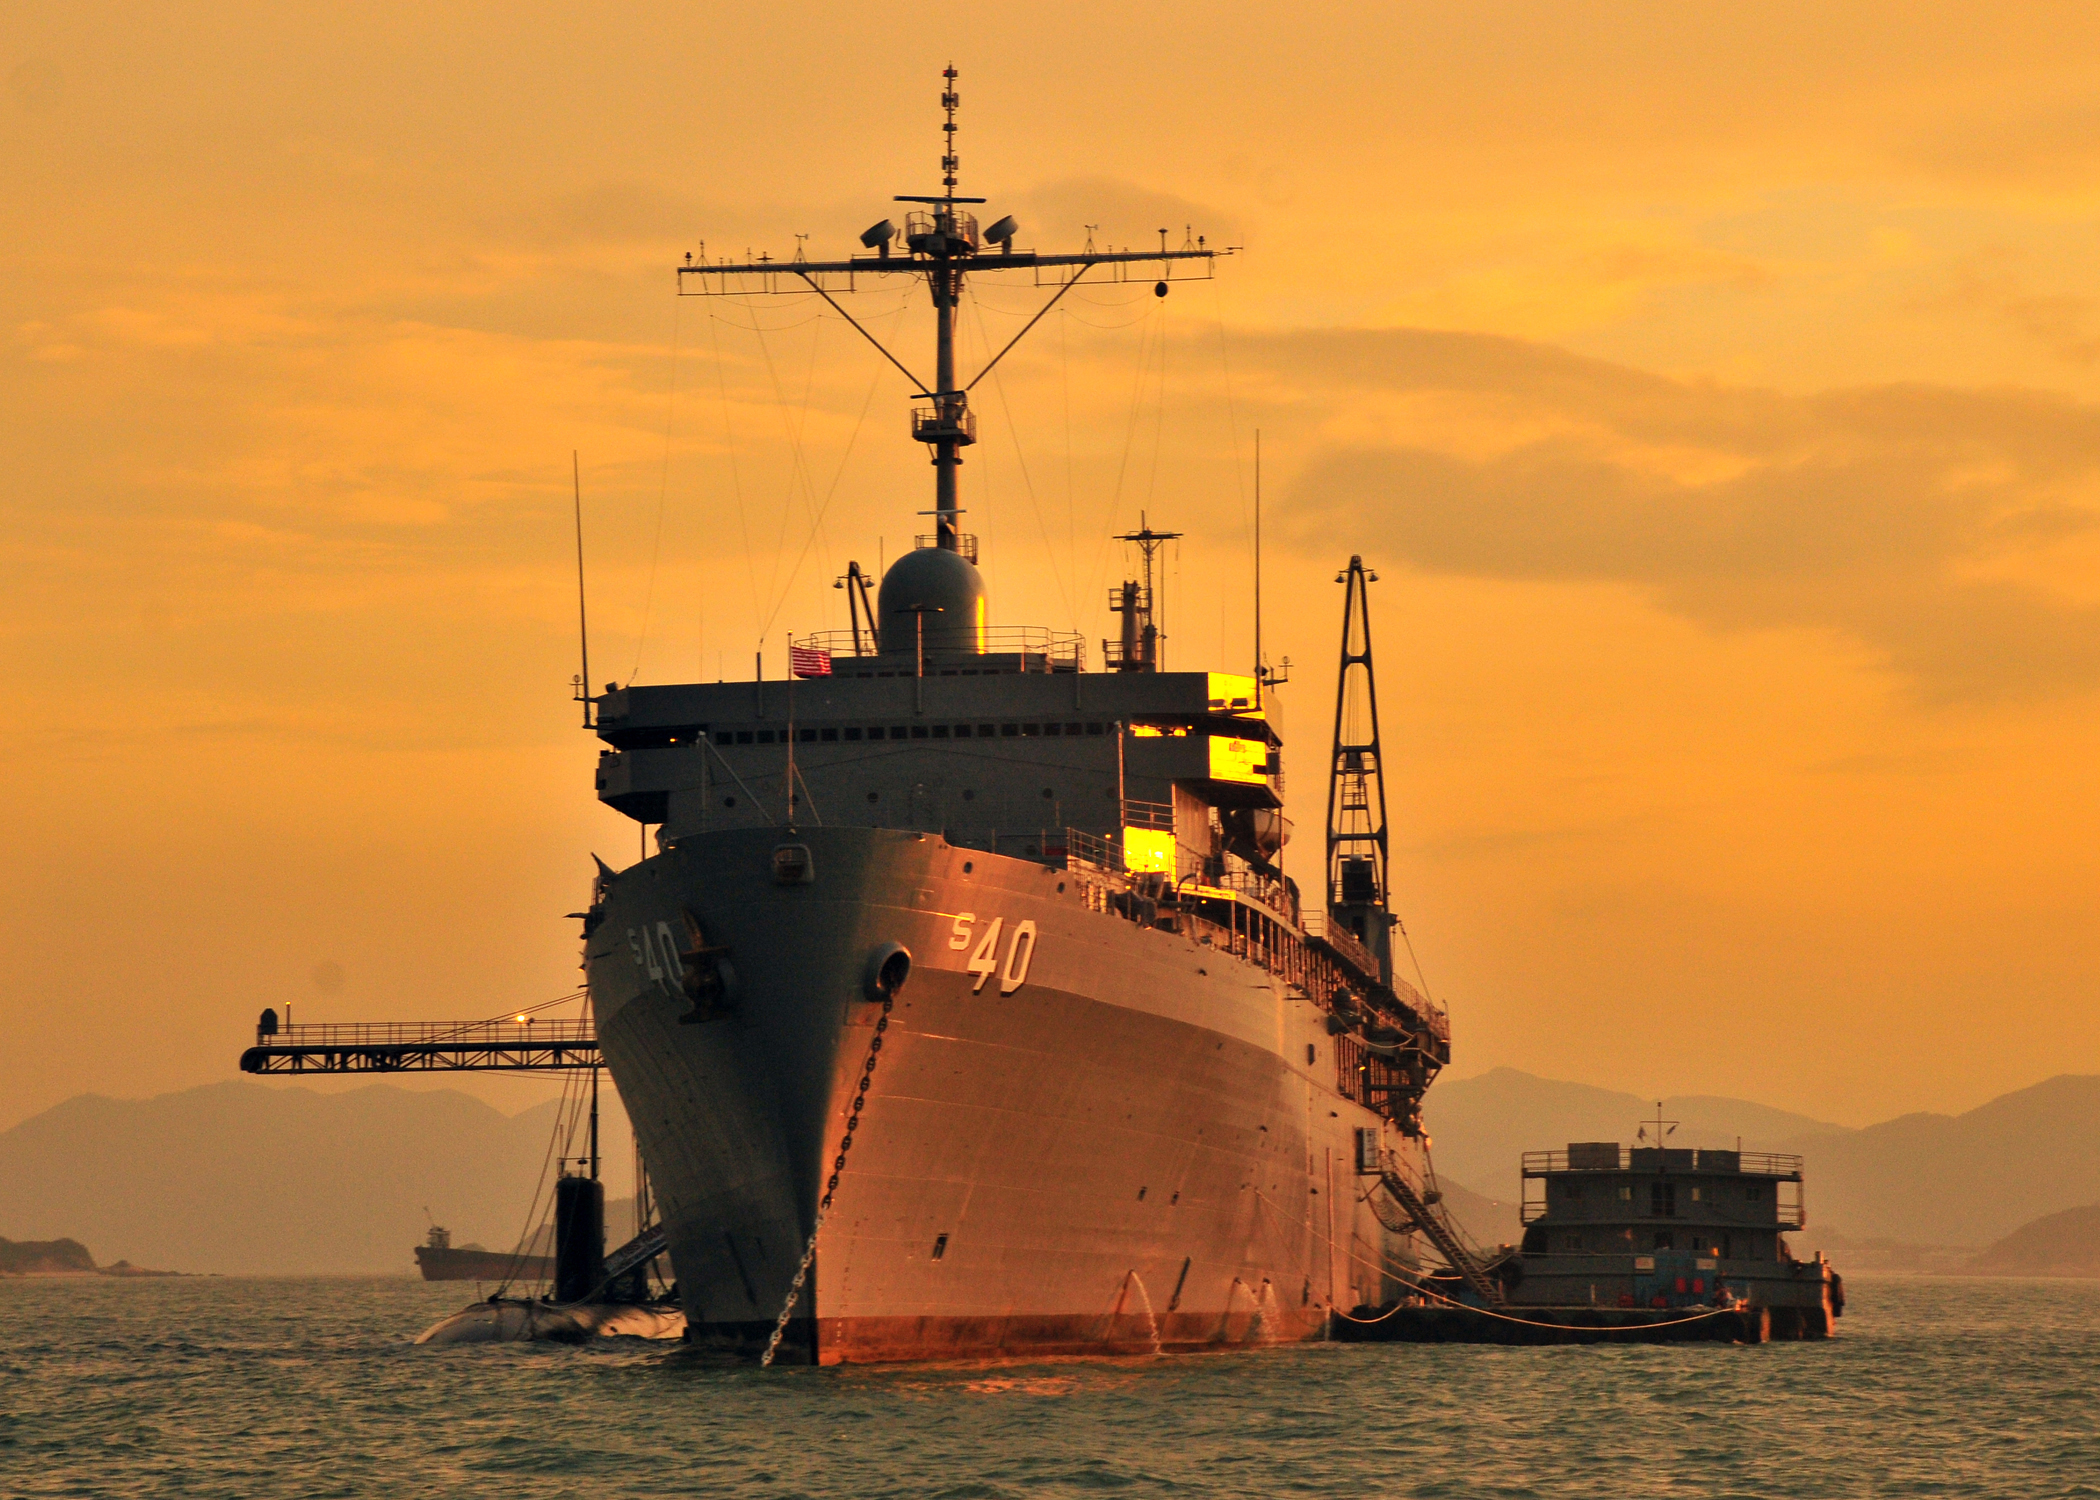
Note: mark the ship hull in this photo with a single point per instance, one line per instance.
(481, 1265)
(1103, 1137)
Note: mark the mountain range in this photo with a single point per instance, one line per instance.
(242, 1177)
(1923, 1180)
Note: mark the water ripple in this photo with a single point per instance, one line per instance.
(310, 1388)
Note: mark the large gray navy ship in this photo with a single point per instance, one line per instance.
(965, 1008)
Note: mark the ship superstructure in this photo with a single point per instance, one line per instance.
(1125, 1065)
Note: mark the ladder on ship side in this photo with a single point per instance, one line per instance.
(1443, 1234)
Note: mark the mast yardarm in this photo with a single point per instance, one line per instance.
(941, 243)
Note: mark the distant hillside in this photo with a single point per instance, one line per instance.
(2059, 1244)
(1483, 1126)
(1964, 1179)
(243, 1177)
(44, 1258)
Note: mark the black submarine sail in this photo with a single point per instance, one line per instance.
(966, 1008)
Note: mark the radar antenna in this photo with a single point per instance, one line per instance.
(942, 244)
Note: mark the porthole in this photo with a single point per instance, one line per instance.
(1048, 793)
(969, 796)
(968, 866)
(874, 796)
(729, 802)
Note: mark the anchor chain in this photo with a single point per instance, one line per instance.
(838, 1165)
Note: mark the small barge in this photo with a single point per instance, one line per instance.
(1630, 1244)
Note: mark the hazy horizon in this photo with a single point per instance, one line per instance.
(1716, 392)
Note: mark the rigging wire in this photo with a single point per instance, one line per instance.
(1013, 433)
(1159, 410)
(794, 572)
(663, 491)
(1232, 421)
(1137, 391)
(1064, 362)
(735, 470)
(798, 470)
(817, 511)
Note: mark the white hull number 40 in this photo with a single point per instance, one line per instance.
(984, 963)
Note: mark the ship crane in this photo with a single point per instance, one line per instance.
(1357, 892)
(941, 243)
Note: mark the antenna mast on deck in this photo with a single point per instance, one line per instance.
(1356, 840)
(942, 244)
(1137, 600)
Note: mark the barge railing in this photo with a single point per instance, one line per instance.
(1752, 1163)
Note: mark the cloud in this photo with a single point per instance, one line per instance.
(1927, 524)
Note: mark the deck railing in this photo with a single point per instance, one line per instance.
(1066, 649)
(424, 1033)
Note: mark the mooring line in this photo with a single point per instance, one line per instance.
(1701, 1317)
(838, 1165)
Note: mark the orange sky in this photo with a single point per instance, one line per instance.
(1717, 390)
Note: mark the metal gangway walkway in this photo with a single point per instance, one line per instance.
(523, 1043)
(1429, 1217)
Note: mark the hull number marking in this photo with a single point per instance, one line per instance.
(984, 963)
(662, 972)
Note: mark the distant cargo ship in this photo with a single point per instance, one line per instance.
(439, 1261)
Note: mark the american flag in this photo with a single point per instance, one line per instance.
(807, 661)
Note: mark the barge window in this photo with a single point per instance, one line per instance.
(1031, 730)
(743, 736)
(940, 731)
(765, 736)
(918, 731)
(1093, 729)
(830, 736)
(1662, 1200)
(1008, 731)
(984, 731)
(1075, 729)
(853, 734)
(1053, 729)
(962, 731)
(807, 736)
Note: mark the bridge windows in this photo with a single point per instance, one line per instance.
(1662, 1200)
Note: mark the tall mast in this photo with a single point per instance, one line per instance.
(942, 243)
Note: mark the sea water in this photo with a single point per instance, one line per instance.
(311, 1387)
